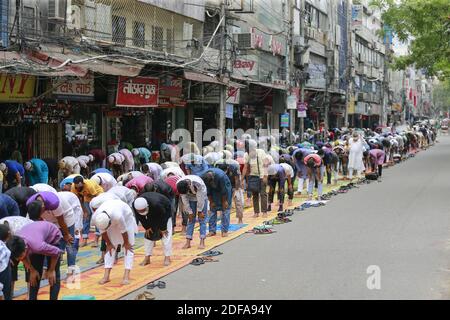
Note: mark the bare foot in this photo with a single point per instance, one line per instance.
(145, 262)
(224, 234)
(211, 234)
(70, 278)
(167, 261)
(103, 281)
(187, 245)
(125, 281)
(264, 214)
(202, 244)
(240, 221)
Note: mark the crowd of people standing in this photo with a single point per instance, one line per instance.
(50, 207)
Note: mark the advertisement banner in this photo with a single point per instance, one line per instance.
(16, 88)
(284, 122)
(246, 65)
(357, 15)
(137, 92)
(233, 95)
(75, 89)
(229, 108)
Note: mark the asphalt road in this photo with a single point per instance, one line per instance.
(401, 225)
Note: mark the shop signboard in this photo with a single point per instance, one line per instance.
(291, 102)
(357, 15)
(233, 95)
(81, 89)
(16, 88)
(170, 86)
(284, 122)
(229, 111)
(301, 114)
(246, 65)
(137, 92)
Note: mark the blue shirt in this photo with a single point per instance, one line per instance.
(8, 206)
(145, 155)
(13, 167)
(39, 173)
(222, 188)
(102, 170)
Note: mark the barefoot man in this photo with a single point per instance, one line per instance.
(154, 212)
(117, 224)
(194, 198)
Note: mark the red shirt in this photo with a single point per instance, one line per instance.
(99, 154)
(316, 157)
(172, 182)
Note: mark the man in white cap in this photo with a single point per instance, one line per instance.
(94, 205)
(117, 224)
(36, 171)
(152, 169)
(169, 164)
(154, 212)
(84, 162)
(129, 160)
(194, 198)
(123, 193)
(69, 165)
(116, 162)
(105, 180)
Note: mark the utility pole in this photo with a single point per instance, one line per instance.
(222, 66)
(303, 73)
(288, 5)
(349, 61)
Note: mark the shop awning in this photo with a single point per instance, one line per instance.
(200, 77)
(270, 85)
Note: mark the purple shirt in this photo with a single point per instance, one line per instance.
(51, 200)
(41, 237)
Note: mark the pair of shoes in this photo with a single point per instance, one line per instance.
(146, 295)
(159, 284)
(211, 253)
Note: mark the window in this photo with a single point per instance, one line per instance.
(157, 38)
(170, 46)
(139, 34)
(28, 20)
(119, 29)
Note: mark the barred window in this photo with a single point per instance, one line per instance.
(157, 38)
(119, 29)
(139, 34)
(170, 47)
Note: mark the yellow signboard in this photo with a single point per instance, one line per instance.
(16, 88)
(351, 105)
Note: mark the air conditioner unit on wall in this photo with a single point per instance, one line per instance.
(57, 9)
(244, 40)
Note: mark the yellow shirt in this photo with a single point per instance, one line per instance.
(90, 190)
(1, 176)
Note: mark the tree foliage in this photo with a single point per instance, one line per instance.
(441, 95)
(426, 23)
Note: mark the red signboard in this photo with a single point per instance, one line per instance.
(137, 92)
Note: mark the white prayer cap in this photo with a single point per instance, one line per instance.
(97, 179)
(102, 220)
(2, 167)
(91, 157)
(135, 152)
(141, 206)
(110, 159)
(27, 165)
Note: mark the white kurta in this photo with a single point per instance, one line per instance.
(355, 157)
(107, 180)
(122, 220)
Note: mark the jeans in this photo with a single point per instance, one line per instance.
(37, 261)
(225, 220)
(6, 280)
(202, 222)
(314, 179)
(272, 186)
(87, 222)
(71, 249)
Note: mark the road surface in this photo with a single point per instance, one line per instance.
(400, 226)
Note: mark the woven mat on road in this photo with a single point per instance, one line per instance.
(141, 276)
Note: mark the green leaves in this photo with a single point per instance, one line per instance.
(425, 23)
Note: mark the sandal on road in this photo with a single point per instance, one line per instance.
(159, 284)
(211, 253)
(263, 231)
(197, 262)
